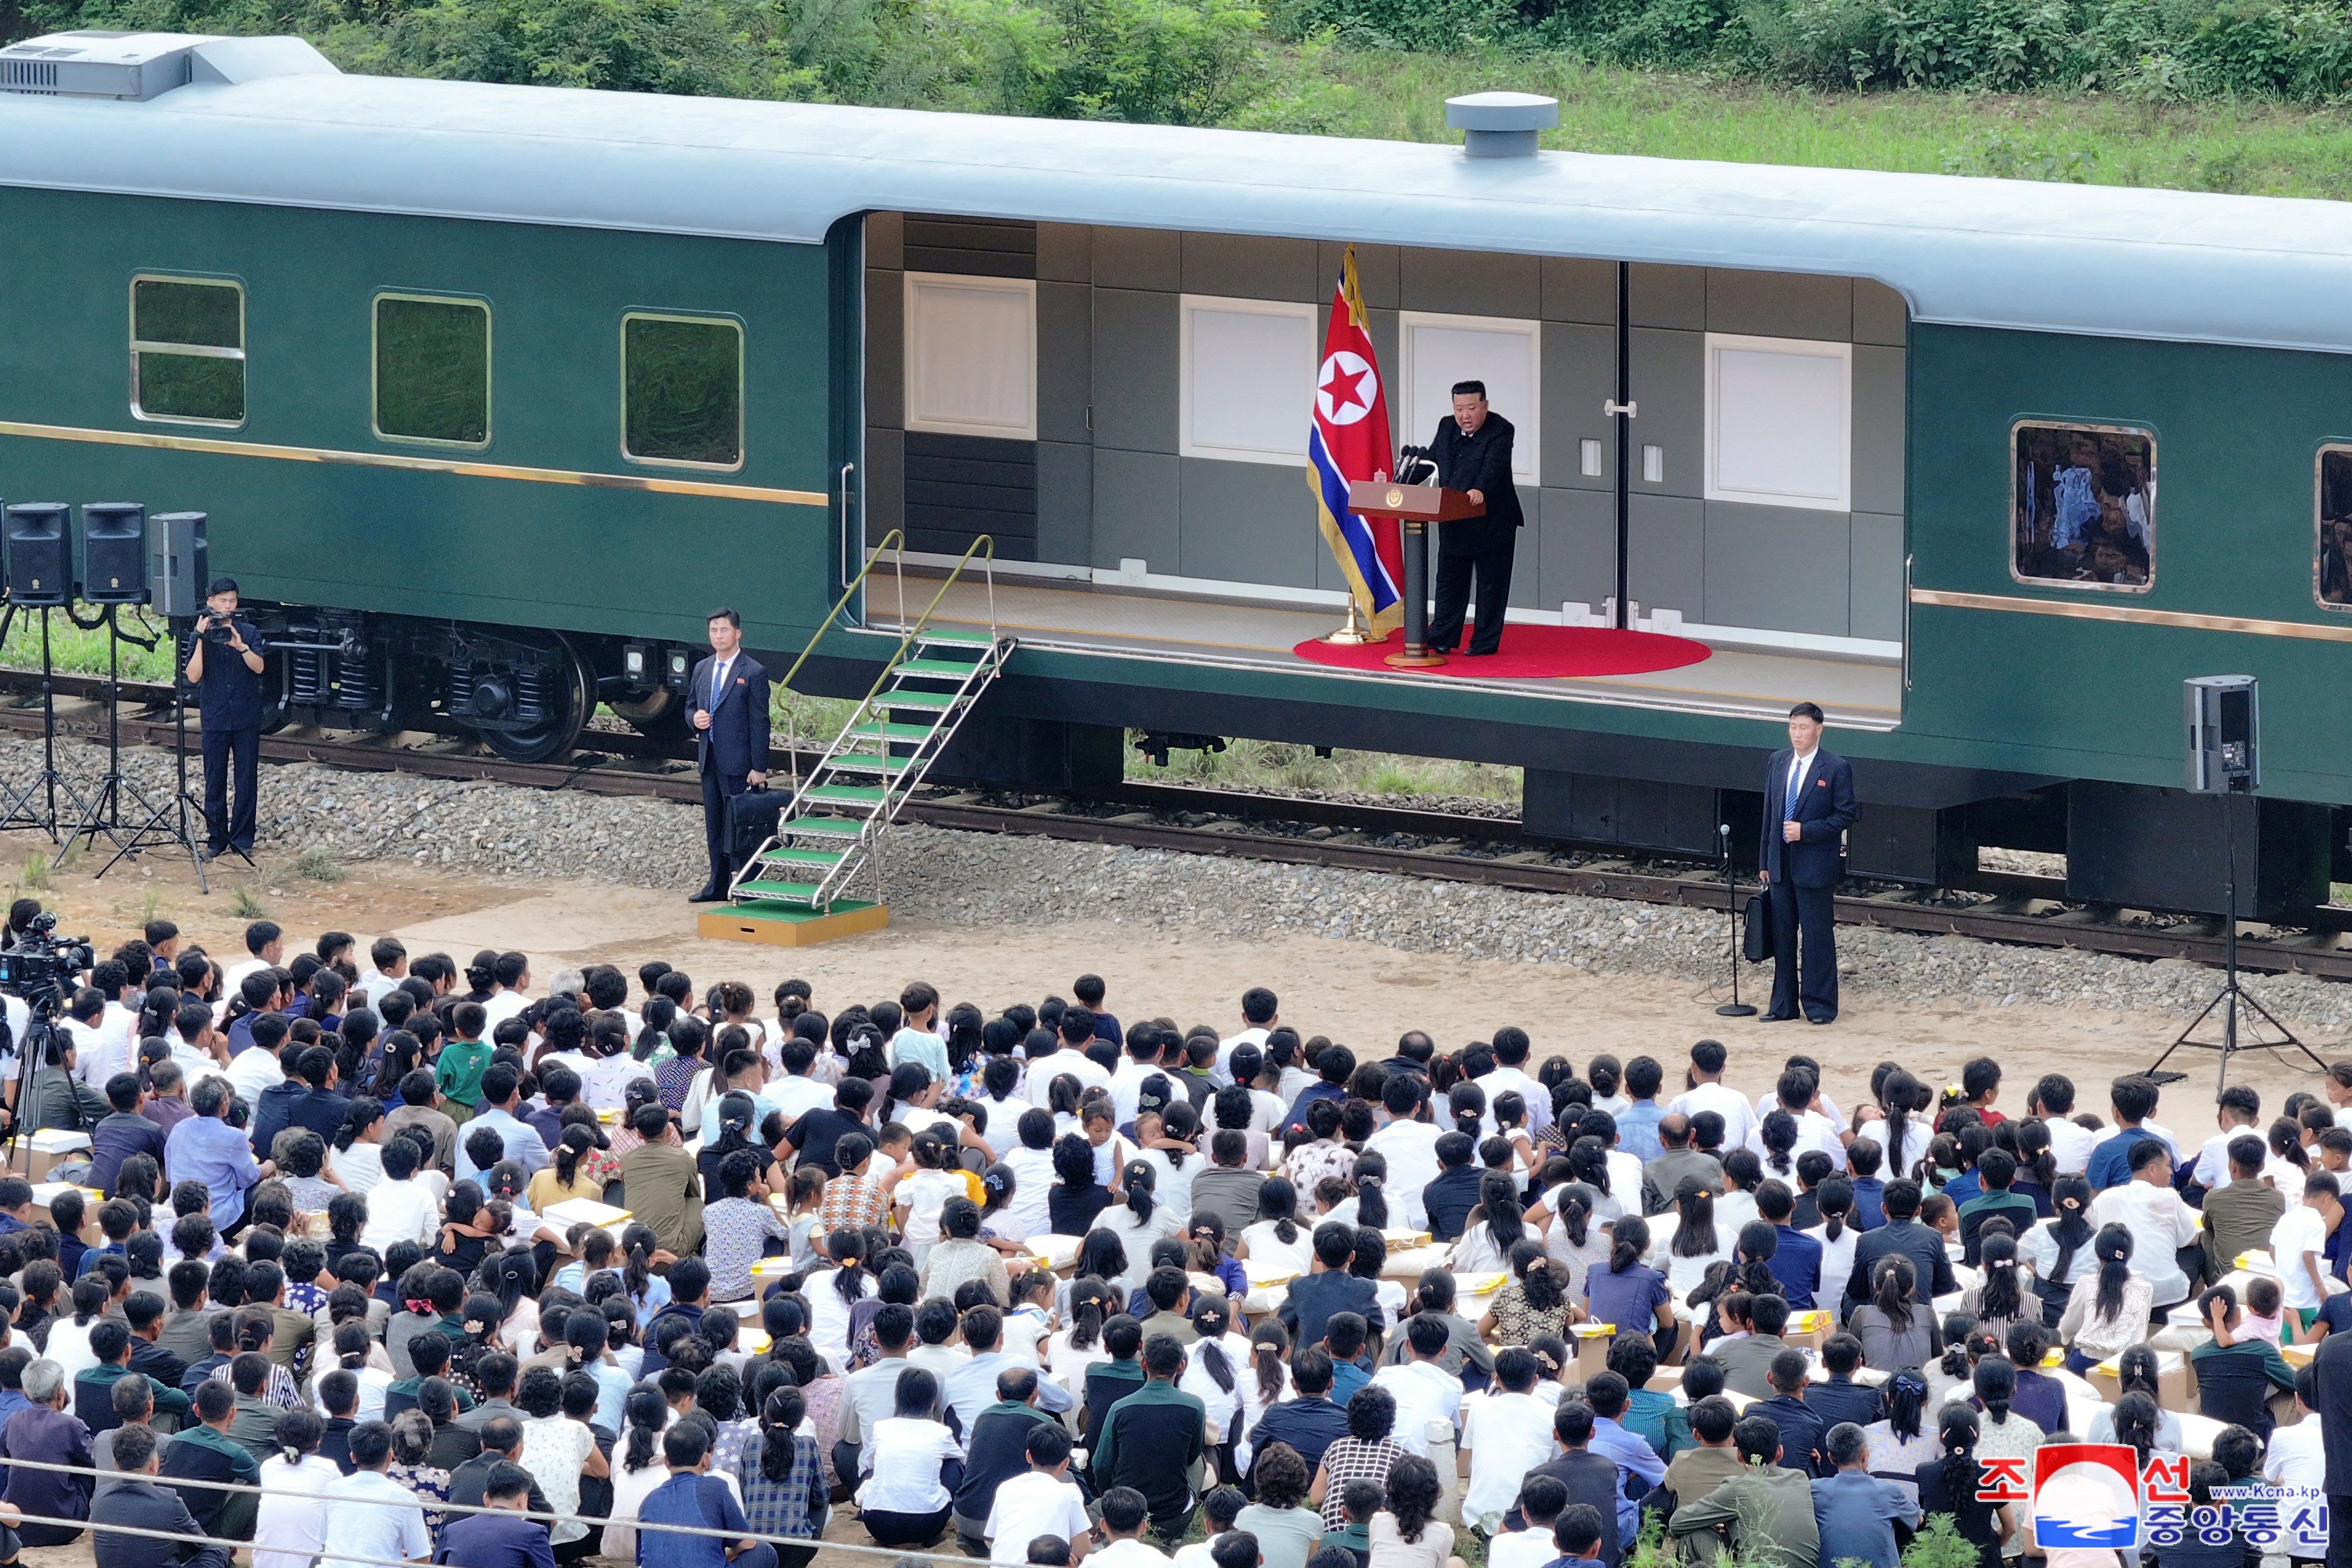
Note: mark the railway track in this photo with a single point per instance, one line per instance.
(1439, 845)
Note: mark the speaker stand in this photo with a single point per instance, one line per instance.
(21, 811)
(174, 821)
(2233, 997)
(1734, 1008)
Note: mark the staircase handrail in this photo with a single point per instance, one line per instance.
(988, 566)
(896, 542)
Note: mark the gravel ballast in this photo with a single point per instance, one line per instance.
(508, 832)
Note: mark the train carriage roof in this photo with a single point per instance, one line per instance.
(276, 125)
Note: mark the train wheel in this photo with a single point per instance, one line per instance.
(573, 696)
(658, 716)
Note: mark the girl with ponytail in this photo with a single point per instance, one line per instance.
(1899, 1444)
(1532, 1303)
(1588, 1159)
(637, 1467)
(2107, 1312)
(1371, 1191)
(1949, 1484)
(648, 1291)
(782, 1474)
(2056, 1248)
(2137, 1379)
(1212, 1375)
(831, 1299)
(294, 1481)
(2002, 1299)
(1070, 1351)
(2288, 1163)
(1276, 1237)
(1467, 1105)
(1895, 1328)
(1627, 1292)
(1574, 1242)
(1696, 1243)
(1493, 1229)
(561, 1178)
(1266, 1383)
(1779, 1136)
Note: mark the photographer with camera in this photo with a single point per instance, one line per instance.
(224, 666)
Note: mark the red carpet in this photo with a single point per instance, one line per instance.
(1530, 653)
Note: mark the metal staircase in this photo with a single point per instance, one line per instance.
(833, 828)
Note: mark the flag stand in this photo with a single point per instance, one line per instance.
(1353, 633)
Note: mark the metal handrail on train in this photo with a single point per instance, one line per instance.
(896, 543)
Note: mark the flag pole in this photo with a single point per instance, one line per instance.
(1352, 632)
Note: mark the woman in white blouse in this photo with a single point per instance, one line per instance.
(1687, 1239)
(356, 1156)
(905, 1500)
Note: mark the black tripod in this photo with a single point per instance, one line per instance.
(2231, 996)
(173, 822)
(32, 1055)
(21, 812)
(1734, 1008)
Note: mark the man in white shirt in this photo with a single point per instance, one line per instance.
(1123, 1512)
(1261, 1013)
(1424, 1391)
(1409, 1148)
(2297, 1463)
(2299, 1244)
(969, 1386)
(266, 944)
(798, 1091)
(2239, 1109)
(1069, 1058)
(388, 960)
(1044, 1501)
(869, 1395)
(1511, 1053)
(1709, 1092)
(513, 972)
(2160, 1224)
(1795, 1094)
(92, 1053)
(1766, 1102)
(1506, 1432)
(257, 1067)
(383, 1523)
(1141, 1061)
(2052, 1101)
(401, 1206)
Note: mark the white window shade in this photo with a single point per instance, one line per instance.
(1249, 380)
(1503, 353)
(971, 356)
(1779, 422)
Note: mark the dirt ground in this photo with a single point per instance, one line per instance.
(1360, 994)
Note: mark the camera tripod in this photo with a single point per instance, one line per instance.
(32, 1055)
(36, 804)
(173, 821)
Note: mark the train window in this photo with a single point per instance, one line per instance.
(2333, 579)
(682, 390)
(2083, 506)
(187, 350)
(432, 370)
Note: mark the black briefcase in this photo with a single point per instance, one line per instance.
(751, 819)
(1755, 935)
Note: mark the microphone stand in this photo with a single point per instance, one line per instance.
(1734, 1008)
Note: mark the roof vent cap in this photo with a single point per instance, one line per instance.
(1501, 124)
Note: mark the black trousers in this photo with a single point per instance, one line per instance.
(223, 828)
(717, 789)
(1803, 922)
(2339, 1530)
(1492, 568)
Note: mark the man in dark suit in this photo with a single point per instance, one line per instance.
(140, 1504)
(2334, 1413)
(1472, 452)
(1808, 807)
(730, 737)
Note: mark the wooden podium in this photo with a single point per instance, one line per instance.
(1415, 507)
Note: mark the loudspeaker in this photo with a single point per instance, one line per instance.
(114, 552)
(178, 563)
(2223, 714)
(39, 566)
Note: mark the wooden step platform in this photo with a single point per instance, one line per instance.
(785, 925)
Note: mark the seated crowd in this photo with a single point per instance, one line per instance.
(355, 1251)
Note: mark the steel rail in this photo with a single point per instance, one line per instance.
(1485, 851)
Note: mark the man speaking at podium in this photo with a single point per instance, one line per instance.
(1472, 453)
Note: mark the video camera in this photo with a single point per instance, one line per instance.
(41, 967)
(214, 627)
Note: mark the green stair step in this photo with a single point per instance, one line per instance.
(905, 698)
(851, 794)
(823, 827)
(935, 667)
(862, 763)
(802, 857)
(886, 732)
(801, 891)
(953, 635)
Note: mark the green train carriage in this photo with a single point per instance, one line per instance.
(517, 383)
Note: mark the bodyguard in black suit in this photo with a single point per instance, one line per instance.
(1808, 807)
(224, 666)
(729, 693)
(1473, 451)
